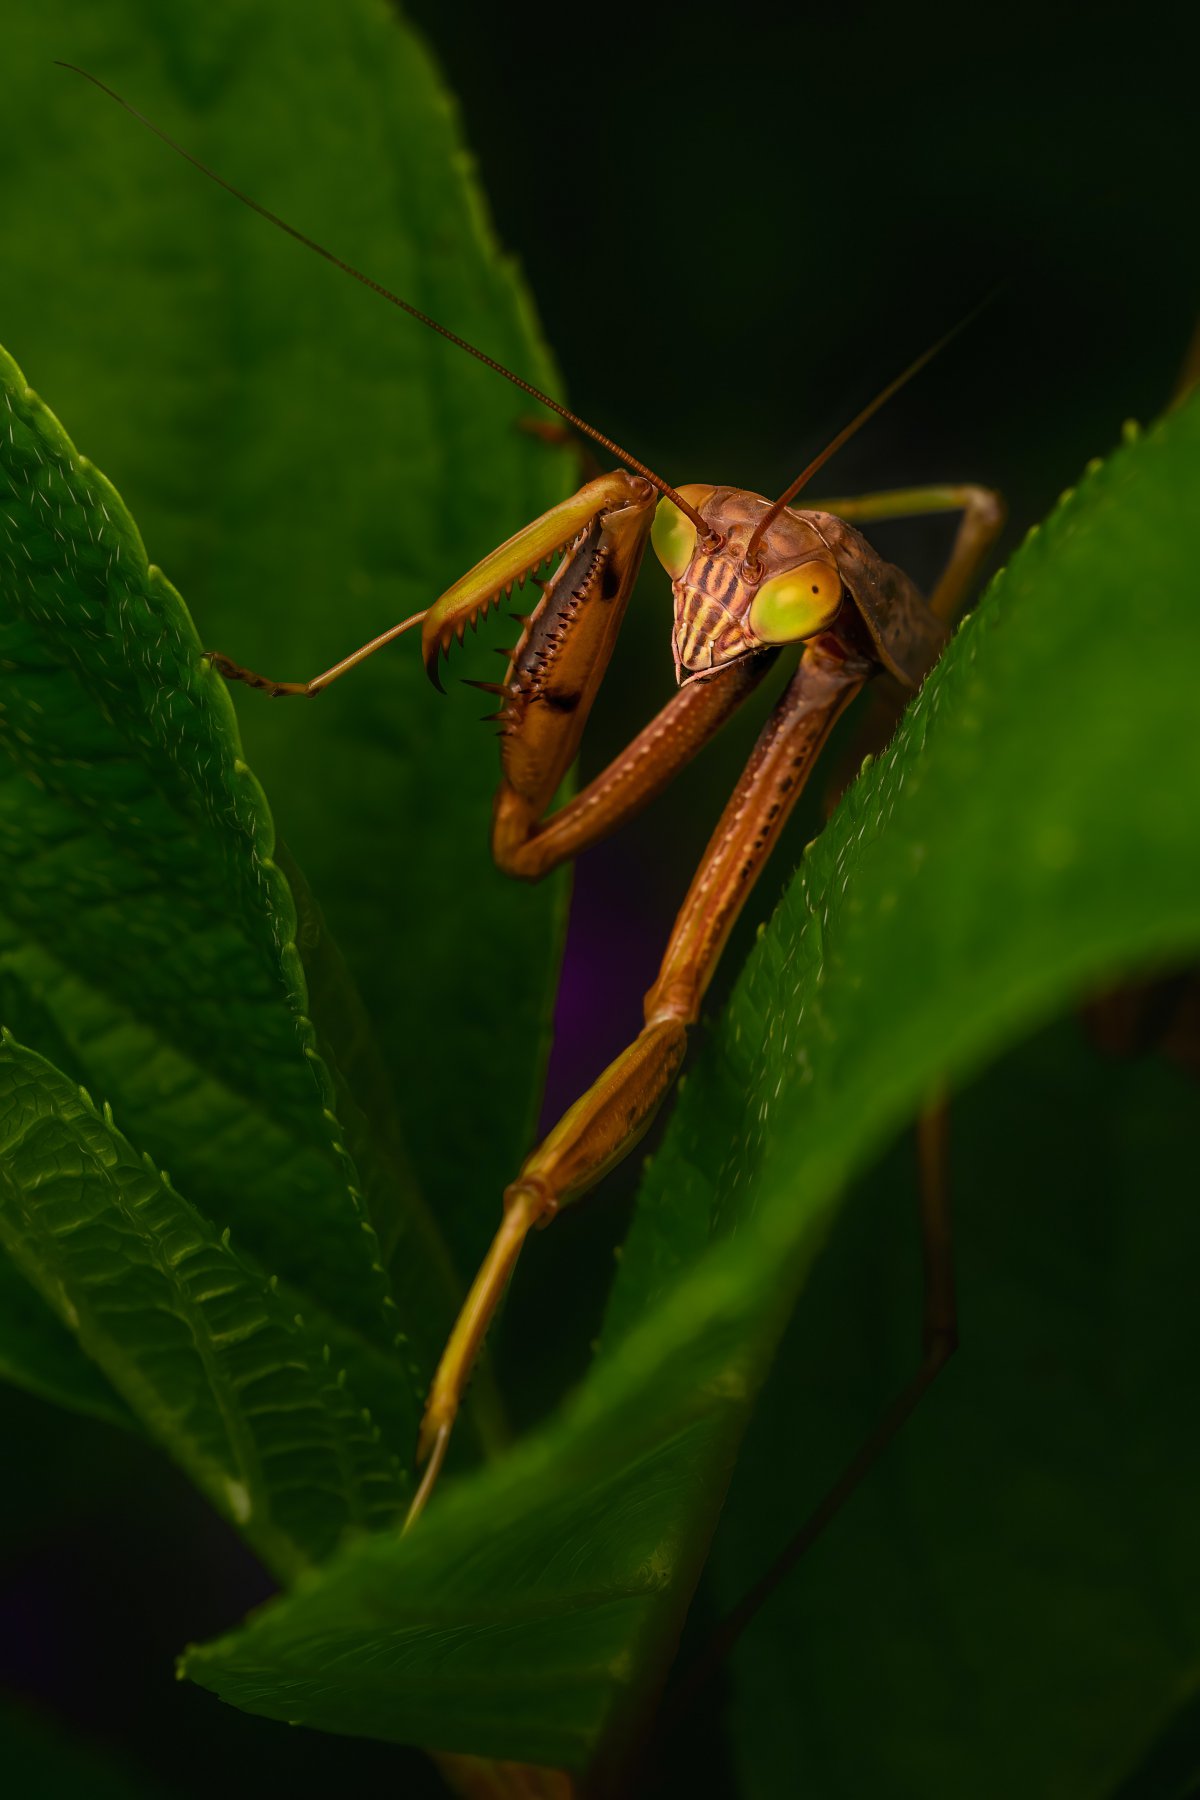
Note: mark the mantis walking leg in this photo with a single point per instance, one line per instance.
(285, 690)
(603, 1126)
(983, 515)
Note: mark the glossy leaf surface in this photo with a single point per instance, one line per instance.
(212, 1357)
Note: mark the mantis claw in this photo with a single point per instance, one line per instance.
(559, 533)
(277, 690)
(433, 1455)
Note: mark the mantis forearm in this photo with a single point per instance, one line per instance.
(526, 847)
(823, 685)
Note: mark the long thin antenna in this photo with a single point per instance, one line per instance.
(848, 431)
(385, 293)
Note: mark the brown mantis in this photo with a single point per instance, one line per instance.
(750, 580)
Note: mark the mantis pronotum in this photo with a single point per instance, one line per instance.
(750, 579)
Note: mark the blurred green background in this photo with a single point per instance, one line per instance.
(735, 231)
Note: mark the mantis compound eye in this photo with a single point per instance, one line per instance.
(673, 534)
(796, 604)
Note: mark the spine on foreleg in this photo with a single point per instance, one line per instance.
(548, 677)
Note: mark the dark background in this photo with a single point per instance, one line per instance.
(736, 230)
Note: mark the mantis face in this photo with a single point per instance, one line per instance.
(727, 608)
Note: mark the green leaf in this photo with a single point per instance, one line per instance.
(143, 908)
(1030, 833)
(311, 466)
(37, 1352)
(423, 1281)
(1026, 1551)
(211, 1356)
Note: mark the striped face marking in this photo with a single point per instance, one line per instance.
(724, 611)
(709, 630)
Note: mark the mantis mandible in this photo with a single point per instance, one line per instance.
(751, 580)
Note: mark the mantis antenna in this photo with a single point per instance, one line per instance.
(414, 312)
(835, 443)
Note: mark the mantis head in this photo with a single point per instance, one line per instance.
(734, 597)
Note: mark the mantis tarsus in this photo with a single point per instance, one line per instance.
(750, 579)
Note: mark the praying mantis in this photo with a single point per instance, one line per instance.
(752, 580)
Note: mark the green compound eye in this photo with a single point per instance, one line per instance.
(673, 533)
(797, 604)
